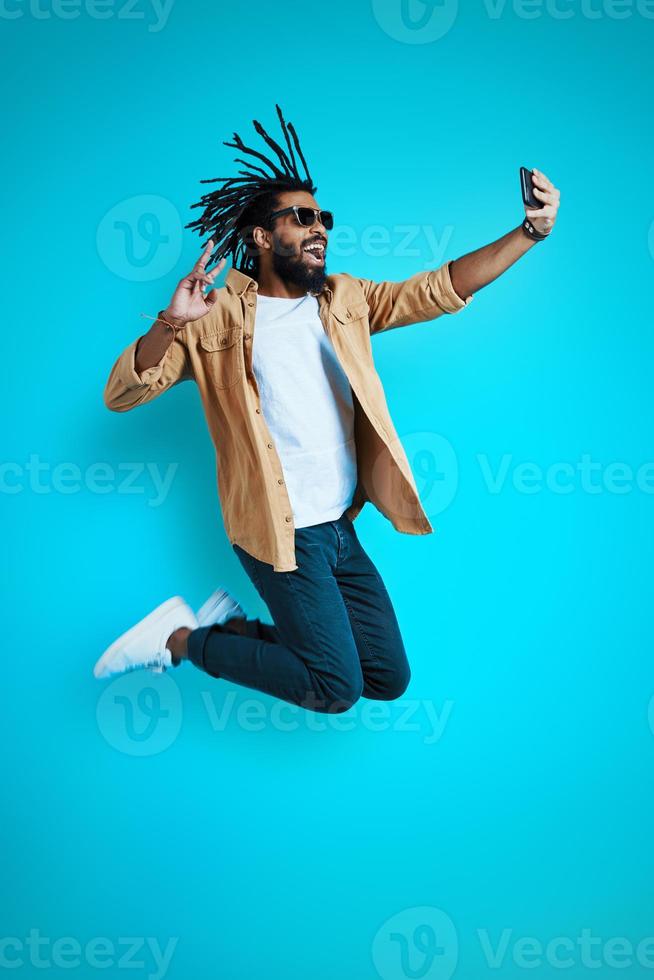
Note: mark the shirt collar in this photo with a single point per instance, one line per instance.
(239, 283)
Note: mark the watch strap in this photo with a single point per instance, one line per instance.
(531, 232)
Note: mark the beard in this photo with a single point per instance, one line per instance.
(293, 268)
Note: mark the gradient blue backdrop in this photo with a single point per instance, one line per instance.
(260, 844)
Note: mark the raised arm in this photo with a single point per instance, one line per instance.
(424, 296)
(473, 271)
(451, 287)
(130, 384)
(159, 359)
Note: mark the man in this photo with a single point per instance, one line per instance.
(282, 358)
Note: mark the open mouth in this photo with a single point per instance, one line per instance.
(316, 253)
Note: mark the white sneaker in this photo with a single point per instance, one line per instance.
(144, 645)
(219, 608)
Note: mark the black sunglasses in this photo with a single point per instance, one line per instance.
(307, 216)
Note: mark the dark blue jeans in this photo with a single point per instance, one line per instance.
(335, 635)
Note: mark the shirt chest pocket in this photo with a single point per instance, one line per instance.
(220, 352)
(353, 323)
(351, 312)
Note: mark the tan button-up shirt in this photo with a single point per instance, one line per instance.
(216, 352)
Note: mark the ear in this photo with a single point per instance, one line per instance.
(261, 237)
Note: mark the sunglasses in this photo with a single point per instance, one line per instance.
(307, 216)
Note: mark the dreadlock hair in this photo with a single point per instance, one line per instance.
(246, 202)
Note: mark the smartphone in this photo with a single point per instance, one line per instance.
(527, 188)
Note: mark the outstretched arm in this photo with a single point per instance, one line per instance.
(451, 287)
(476, 269)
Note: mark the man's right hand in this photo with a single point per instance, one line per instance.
(189, 301)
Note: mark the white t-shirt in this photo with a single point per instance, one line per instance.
(307, 403)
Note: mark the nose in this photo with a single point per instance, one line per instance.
(319, 228)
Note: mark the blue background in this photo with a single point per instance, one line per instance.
(527, 616)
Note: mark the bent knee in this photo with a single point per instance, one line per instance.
(392, 685)
(342, 695)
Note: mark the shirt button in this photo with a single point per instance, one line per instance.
(270, 445)
(280, 482)
(250, 303)
(288, 519)
(258, 411)
(247, 336)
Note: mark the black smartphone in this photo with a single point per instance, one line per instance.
(527, 188)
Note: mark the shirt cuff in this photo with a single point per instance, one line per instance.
(128, 374)
(442, 288)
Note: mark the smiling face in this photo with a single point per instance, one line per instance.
(297, 253)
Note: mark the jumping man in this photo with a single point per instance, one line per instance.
(282, 358)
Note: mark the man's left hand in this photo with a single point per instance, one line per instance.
(543, 219)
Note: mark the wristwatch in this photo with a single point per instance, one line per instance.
(532, 233)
